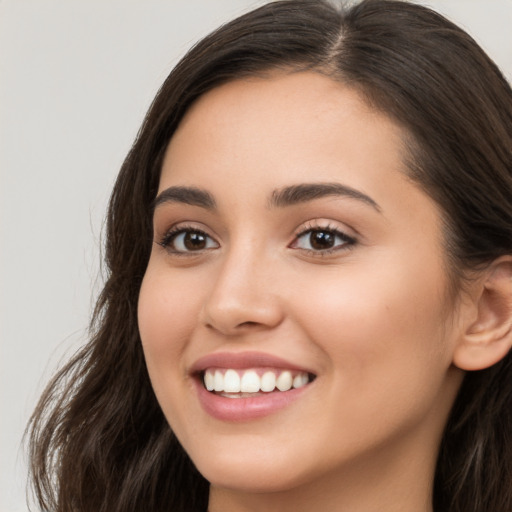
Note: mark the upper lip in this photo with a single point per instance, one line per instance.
(241, 360)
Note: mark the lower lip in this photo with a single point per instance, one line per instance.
(245, 409)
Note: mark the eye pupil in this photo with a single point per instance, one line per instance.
(194, 241)
(321, 239)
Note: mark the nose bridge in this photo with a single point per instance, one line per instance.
(243, 293)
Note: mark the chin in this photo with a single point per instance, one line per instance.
(253, 478)
(266, 469)
(254, 471)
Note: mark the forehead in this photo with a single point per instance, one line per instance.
(285, 127)
(300, 91)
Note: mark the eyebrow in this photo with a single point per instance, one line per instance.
(187, 195)
(287, 196)
(304, 192)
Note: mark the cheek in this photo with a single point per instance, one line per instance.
(380, 322)
(166, 315)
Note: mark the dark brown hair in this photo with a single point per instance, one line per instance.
(98, 439)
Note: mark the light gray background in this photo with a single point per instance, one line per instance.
(76, 78)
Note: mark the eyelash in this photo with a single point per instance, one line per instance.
(348, 241)
(170, 237)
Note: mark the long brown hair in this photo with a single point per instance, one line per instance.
(98, 439)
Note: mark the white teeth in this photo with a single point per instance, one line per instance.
(209, 381)
(268, 382)
(248, 381)
(284, 381)
(231, 382)
(300, 380)
(218, 382)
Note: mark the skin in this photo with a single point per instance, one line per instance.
(373, 319)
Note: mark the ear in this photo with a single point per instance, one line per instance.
(488, 336)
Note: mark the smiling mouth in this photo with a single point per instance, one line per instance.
(252, 382)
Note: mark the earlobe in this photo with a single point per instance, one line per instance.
(488, 338)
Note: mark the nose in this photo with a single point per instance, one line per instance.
(244, 296)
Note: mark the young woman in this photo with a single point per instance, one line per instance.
(309, 304)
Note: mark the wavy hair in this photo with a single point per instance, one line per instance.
(98, 440)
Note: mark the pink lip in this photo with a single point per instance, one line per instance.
(243, 409)
(243, 360)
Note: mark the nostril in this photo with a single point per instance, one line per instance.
(232, 308)
(237, 327)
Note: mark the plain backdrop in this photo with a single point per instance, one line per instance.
(76, 78)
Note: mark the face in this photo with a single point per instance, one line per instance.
(290, 249)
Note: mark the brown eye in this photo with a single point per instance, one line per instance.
(188, 240)
(322, 240)
(194, 241)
